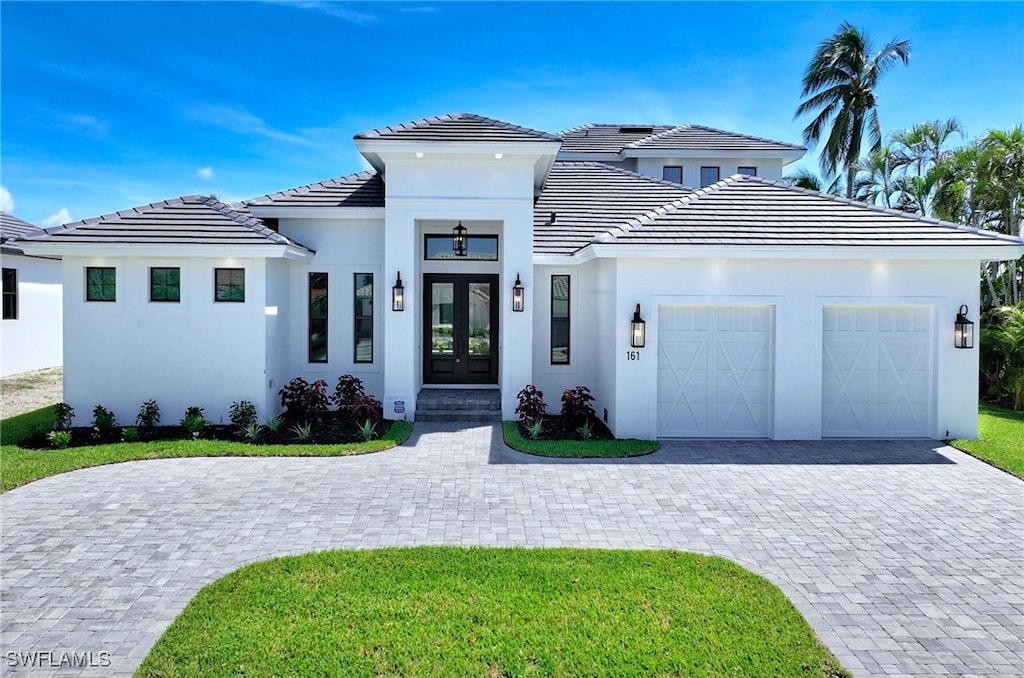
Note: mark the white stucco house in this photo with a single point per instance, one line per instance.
(30, 331)
(768, 311)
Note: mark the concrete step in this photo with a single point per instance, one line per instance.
(440, 404)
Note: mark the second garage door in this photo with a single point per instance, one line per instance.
(715, 371)
(876, 371)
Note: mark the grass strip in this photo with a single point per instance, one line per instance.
(579, 449)
(1000, 439)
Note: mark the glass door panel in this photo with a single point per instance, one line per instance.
(442, 318)
(479, 330)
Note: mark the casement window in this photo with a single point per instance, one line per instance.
(317, 317)
(749, 171)
(229, 284)
(708, 176)
(363, 325)
(559, 320)
(100, 283)
(673, 173)
(478, 248)
(10, 293)
(165, 284)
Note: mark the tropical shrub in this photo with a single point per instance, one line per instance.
(63, 415)
(103, 421)
(149, 414)
(367, 408)
(242, 413)
(303, 431)
(272, 423)
(59, 439)
(130, 434)
(531, 405)
(1002, 356)
(576, 407)
(194, 421)
(368, 430)
(348, 392)
(303, 401)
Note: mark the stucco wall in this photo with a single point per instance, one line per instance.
(768, 168)
(195, 352)
(798, 290)
(34, 340)
(279, 332)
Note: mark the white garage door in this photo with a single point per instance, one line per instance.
(876, 371)
(714, 371)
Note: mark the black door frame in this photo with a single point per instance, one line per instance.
(461, 366)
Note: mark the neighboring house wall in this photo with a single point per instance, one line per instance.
(767, 168)
(797, 292)
(194, 352)
(343, 248)
(33, 340)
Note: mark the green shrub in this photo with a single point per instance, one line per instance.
(1002, 356)
(194, 422)
(242, 414)
(149, 414)
(103, 420)
(130, 434)
(272, 423)
(59, 440)
(303, 431)
(63, 415)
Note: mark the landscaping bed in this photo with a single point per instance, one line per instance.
(333, 428)
(444, 611)
(558, 427)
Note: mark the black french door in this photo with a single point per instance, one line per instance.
(460, 329)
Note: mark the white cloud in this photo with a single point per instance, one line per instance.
(6, 201)
(328, 8)
(241, 121)
(88, 123)
(205, 172)
(60, 218)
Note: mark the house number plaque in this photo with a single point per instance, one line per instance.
(632, 355)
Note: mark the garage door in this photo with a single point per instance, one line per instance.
(876, 371)
(714, 371)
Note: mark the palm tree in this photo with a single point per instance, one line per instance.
(921, 146)
(1002, 157)
(841, 81)
(874, 183)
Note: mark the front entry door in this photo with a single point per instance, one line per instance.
(460, 329)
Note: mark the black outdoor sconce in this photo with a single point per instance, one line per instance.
(638, 330)
(459, 240)
(518, 296)
(963, 330)
(398, 295)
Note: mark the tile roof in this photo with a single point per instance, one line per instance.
(194, 220)
(583, 199)
(745, 210)
(365, 189)
(606, 138)
(602, 138)
(458, 127)
(13, 227)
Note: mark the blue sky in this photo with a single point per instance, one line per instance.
(105, 106)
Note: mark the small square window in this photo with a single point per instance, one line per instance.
(10, 292)
(165, 284)
(100, 283)
(708, 176)
(672, 173)
(229, 284)
(749, 171)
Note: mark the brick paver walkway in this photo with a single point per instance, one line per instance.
(906, 558)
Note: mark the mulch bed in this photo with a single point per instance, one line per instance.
(556, 427)
(333, 428)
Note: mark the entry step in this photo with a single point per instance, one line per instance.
(446, 404)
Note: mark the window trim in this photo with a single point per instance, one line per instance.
(567, 320)
(152, 270)
(672, 167)
(9, 293)
(448, 237)
(310, 317)
(739, 170)
(718, 174)
(88, 294)
(216, 272)
(357, 316)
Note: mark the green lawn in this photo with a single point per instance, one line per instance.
(442, 611)
(19, 466)
(1000, 439)
(608, 449)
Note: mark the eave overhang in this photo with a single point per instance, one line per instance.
(168, 250)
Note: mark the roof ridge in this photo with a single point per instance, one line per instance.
(448, 117)
(932, 221)
(657, 136)
(749, 136)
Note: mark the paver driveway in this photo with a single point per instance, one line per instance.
(905, 557)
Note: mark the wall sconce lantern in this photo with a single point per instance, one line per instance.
(963, 330)
(638, 330)
(459, 240)
(398, 295)
(518, 296)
